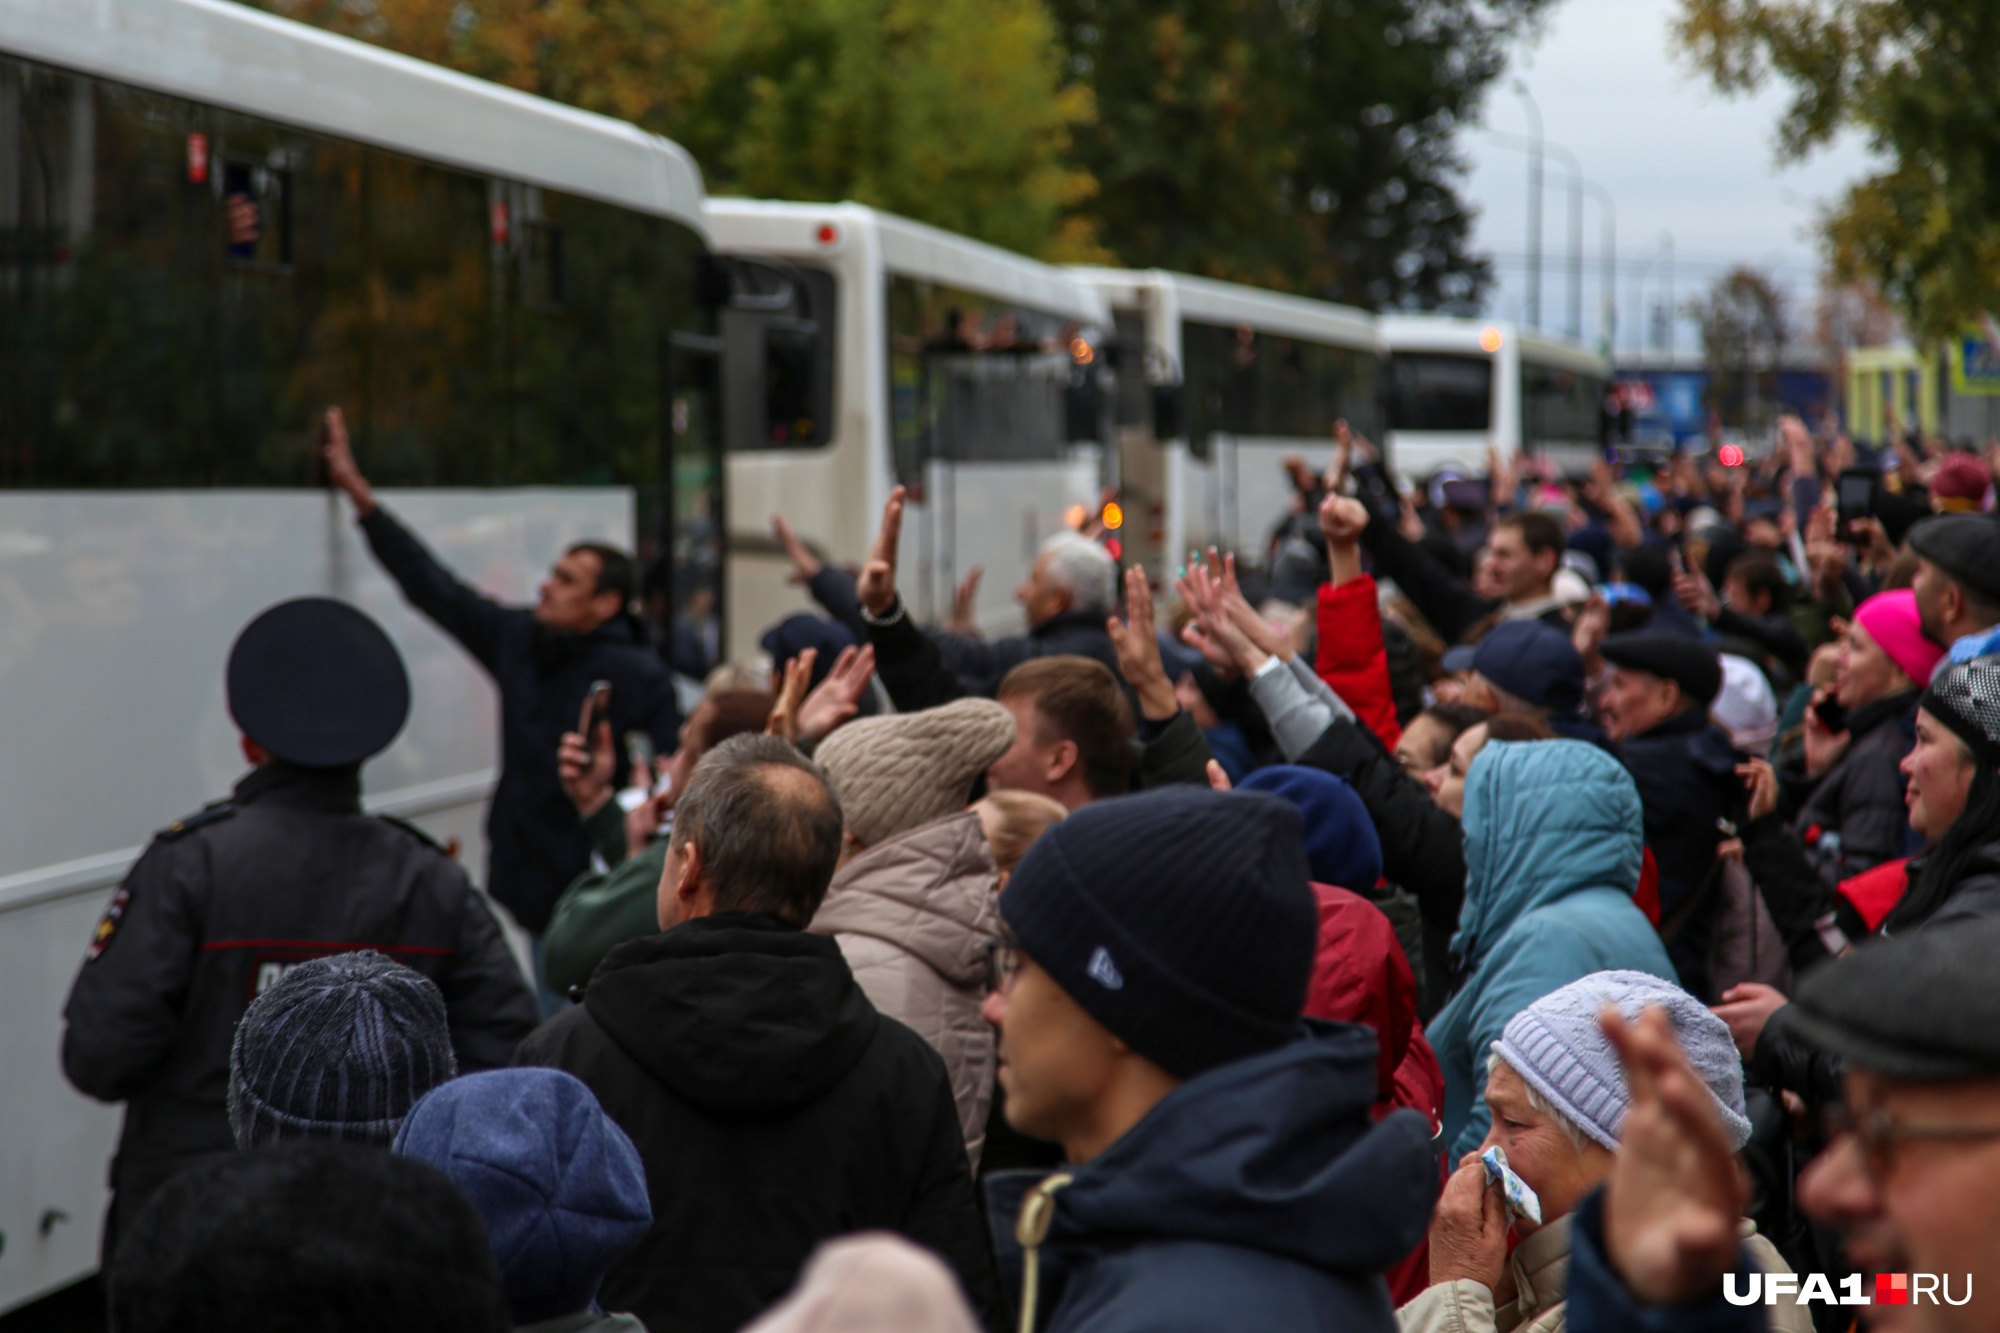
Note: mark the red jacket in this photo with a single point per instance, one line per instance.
(1361, 976)
(1352, 659)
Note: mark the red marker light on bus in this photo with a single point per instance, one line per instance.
(827, 234)
(1115, 547)
(1490, 339)
(1082, 352)
(1729, 455)
(197, 159)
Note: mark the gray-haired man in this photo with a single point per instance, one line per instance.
(773, 1106)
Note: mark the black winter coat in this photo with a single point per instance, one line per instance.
(773, 1107)
(1685, 770)
(980, 665)
(1423, 847)
(535, 844)
(1854, 820)
(216, 909)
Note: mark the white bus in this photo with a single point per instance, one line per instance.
(212, 223)
(1458, 387)
(867, 350)
(1234, 378)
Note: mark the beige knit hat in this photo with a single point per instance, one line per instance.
(902, 771)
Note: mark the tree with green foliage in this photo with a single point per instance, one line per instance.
(1743, 333)
(949, 111)
(1308, 145)
(1916, 78)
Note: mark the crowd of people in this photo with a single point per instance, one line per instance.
(1523, 903)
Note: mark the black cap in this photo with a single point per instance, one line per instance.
(1965, 546)
(1530, 660)
(1686, 661)
(316, 682)
(1919, 1006)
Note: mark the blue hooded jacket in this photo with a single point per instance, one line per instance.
(1553, 849)
(1259, 1195)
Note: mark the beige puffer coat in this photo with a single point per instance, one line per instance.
(914, 917)
(1541, 1276)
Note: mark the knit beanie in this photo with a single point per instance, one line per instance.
(1180, 919)
(338, 1048)
(1966, 698)
(560, 1188)
(304, 1235)
(1341, 845)
(1891, 619)
(1559, 1049)
(1746, 708)
(900, 772)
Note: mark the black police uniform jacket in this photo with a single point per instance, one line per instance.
(773, 1107)
(218, 907)
(535, 843)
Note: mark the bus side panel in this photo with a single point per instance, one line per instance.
(1262, 494)
(58, 1144)
(121, 609)
(1194, 505)
(995, 516)
(823, 493)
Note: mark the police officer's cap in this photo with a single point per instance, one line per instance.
(1966, 547)
(1680, 658)
(316, 682)
(1920, 1006)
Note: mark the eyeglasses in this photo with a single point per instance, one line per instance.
(1877, 1133)
(1003, 964)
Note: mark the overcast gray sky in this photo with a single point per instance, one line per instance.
(1675, 156)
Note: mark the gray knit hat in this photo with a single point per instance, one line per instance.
(1558, 1048)
(338, 1048)
(900, 772)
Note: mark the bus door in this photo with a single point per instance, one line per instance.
(687, 545)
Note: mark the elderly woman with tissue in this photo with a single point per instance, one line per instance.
(1558, 1098)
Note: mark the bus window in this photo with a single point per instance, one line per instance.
(779, 329)
(1246, 382)
(1440, 391)
(1560, 405)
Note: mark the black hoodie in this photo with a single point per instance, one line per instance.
(773, 1107)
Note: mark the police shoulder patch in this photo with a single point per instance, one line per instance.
(107, 925)
(208, 814)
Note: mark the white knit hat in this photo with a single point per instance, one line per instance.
(900, 772)
(1559, 1049)
(1745, 708)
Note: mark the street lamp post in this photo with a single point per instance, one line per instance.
(1608, 299)
(1534, 209)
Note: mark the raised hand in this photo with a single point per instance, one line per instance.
(1696, 594)
(1672, 1204)
(1215, 631)
(1217, 778)
(963, 599)
(1138, 646)
(876, 588)
(342, 473)
(804, 563)
(1761, 780)
(837, 698)
(784, 719)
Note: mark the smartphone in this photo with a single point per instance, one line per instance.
(639, 756)
(597, 710)
(1854, 497)
(1831, 714)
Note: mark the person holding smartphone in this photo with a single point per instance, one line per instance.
(545, 659)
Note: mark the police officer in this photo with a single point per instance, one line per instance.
(288, 868)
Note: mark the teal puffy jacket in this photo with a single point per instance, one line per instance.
(1553, 847)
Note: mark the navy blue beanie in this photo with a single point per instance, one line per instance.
(796, 633)
(1180, 919)
(1341, 845)
(560, 1188)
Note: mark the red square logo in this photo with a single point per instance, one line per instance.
(1892, 1289)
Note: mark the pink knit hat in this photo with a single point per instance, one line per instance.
(1891, 620)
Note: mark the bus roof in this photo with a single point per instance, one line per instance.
(914, 249)
(1446, 333)
(234, 56)
(1213, 302)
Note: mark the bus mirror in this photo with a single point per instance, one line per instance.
(1168, 401)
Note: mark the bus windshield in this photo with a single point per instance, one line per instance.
(1440, 391)
(1560, 406)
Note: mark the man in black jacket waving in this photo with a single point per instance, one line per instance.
(544, 659)
(772, 1105)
